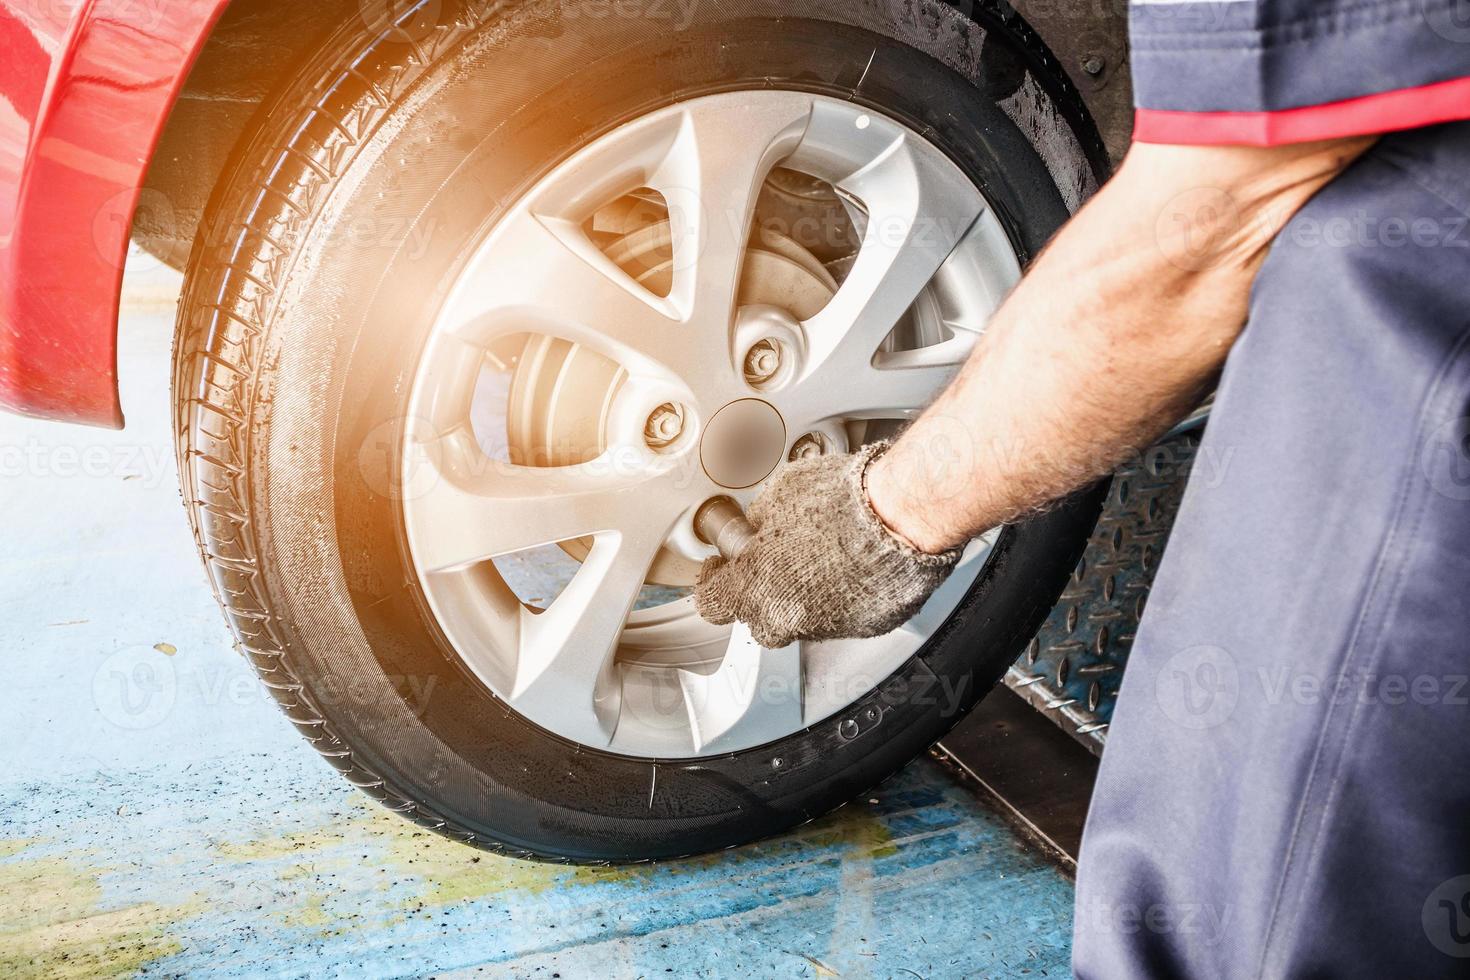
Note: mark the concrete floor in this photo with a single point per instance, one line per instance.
(158, 816)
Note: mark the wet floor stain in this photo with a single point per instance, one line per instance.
(276, 864)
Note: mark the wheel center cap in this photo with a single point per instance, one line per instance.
(743, 443)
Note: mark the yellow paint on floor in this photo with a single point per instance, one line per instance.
(52, 924)
(310, 915)
(431, 871)
(15, 846)
(442, 871)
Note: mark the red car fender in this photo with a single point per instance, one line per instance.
(85, 89)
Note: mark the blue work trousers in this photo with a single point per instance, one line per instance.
(1286, 787)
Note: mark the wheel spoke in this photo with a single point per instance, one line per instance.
(710, 179)
(476, 508)
(543, 275)
(564, 668)
(754, 696)
(893, 386)
(916, 217)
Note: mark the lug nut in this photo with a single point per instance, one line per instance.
(762, 362)
(664, 425)
(808, 446)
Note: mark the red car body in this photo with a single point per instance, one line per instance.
(85, 89)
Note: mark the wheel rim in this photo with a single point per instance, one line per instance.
(687, 377)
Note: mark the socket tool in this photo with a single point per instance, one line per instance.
(720, 522)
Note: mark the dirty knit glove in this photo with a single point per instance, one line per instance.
(822, 565)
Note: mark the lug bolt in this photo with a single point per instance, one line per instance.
(808, 446)
(664, 425)
(762, 362)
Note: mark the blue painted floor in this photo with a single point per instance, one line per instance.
(159, 817)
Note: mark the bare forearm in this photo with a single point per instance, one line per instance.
(1115, 334)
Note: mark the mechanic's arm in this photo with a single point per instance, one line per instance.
(1116, 333)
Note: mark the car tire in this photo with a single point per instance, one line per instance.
(326, 251)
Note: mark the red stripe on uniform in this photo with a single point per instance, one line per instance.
(1408, 108)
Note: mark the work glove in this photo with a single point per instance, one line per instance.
(822, 565)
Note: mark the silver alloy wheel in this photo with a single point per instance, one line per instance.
(691, 420)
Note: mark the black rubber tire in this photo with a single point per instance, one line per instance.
(296, 346)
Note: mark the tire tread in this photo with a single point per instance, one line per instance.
(264, 206)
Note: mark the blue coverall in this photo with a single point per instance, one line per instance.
(1286, 789)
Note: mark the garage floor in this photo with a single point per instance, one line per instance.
(158, 816)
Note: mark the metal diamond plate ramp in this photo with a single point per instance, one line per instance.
(1072, 668)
